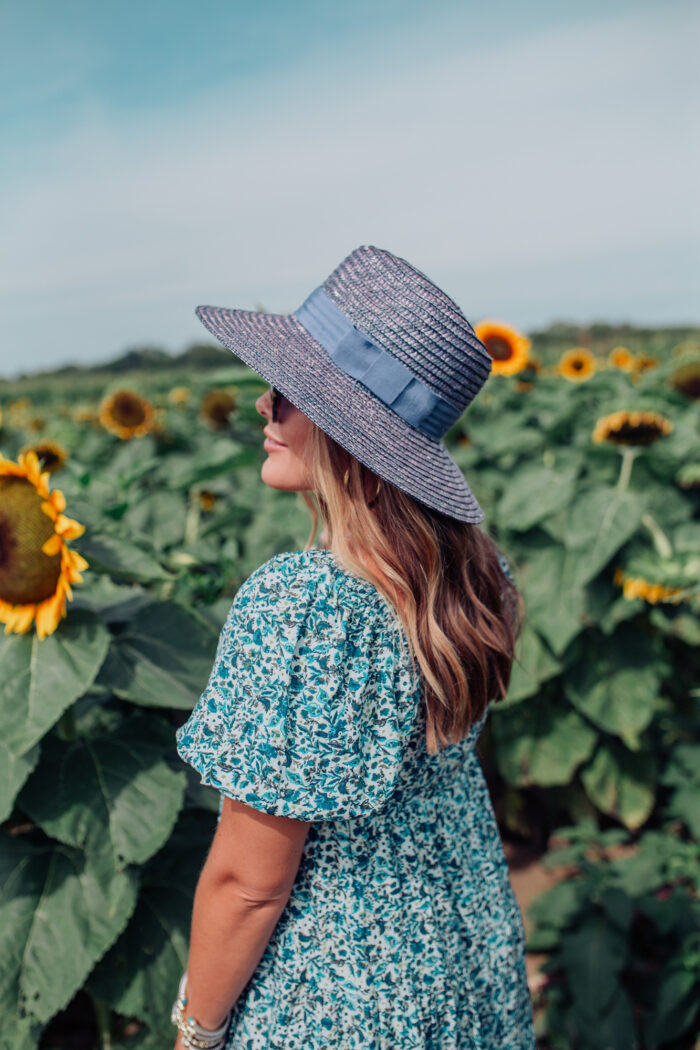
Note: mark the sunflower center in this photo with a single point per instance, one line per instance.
(47, 456)
(27, 575)
(500, 349)
(577, 365)
(639, 434)
(127, 410)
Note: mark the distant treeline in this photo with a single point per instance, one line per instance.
(598, 336)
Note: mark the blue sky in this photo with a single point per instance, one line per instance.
(537, 161)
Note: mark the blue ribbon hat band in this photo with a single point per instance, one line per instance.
(358, 356)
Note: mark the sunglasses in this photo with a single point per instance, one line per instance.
(277, 400)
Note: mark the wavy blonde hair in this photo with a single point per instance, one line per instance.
(461, 615)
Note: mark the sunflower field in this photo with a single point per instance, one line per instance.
(131, 510)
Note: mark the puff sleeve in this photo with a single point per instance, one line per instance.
(311, 698)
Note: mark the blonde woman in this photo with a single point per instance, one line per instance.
(356, 894)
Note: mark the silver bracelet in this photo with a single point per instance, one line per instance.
(193, 1035)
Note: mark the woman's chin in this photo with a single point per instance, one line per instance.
(277, 477)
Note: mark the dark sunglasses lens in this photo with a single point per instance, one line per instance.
(276, 397)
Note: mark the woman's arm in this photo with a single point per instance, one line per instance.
(241, 893)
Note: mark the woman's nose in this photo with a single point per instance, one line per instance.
(264, 405)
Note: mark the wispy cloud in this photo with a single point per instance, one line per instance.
(485, 166)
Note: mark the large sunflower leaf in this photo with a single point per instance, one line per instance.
(599, 521)
(120, 558)
(18, 1031)
(111, 794)
(14, 770)
(159, 516)
(554, 598)
(534, 493)
(140, 974)
(533, 665)
(40, 679)
(622, 783)
(617, 687)
(541, 741)
(163, 658)
(59, 913)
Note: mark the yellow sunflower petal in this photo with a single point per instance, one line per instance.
(19, 619)
(52, 545)
(68, 528)
(49, 613)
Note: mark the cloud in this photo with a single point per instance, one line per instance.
(480, 164)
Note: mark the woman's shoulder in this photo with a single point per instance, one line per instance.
(296, 576)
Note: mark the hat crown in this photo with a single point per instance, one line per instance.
(411, 318)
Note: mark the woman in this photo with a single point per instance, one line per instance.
(356, 894)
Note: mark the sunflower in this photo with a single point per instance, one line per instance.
(686, 379)
(50, 454)
(179, 396)
(642, 362)
(17, 411)
(126, 414)
(533, 364)
(577, 365)
(36, 566)
(621, 357)
(207, 499)
(507, 346)
(216, 408)
(632, 428)
(687, 347)
(637, 587)
(85, 415)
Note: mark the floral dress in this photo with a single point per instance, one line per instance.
(402, 930)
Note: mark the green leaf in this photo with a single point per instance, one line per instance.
(558, 906)
(612, 1029)
(59, 912)
(40, 679)
(517, 510)
(593, 956)
(140, 974)
(685, 805)
(160, 516)
(617, 687)
(217, 457)
(677, 1005)
(554, 598)
(14, 770)
(533, 665)
(622, 783)
(163, 658)
(18, 1032)
(120, 558)
(599, 522)
(113, 795)
(540, 742)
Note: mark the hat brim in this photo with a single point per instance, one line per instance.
(279, 349)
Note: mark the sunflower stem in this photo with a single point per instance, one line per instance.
(661, 540)
(103, 1017)
(628, 457)
(192, 518)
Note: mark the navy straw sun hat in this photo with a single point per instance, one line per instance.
(382, 361)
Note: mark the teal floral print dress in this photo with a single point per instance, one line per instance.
(402, 931)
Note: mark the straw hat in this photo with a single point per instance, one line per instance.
(380, 359)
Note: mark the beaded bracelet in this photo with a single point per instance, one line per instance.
(193, 1035)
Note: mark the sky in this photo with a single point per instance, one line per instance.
(537, 161)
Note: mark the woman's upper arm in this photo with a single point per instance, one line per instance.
(257, 853)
